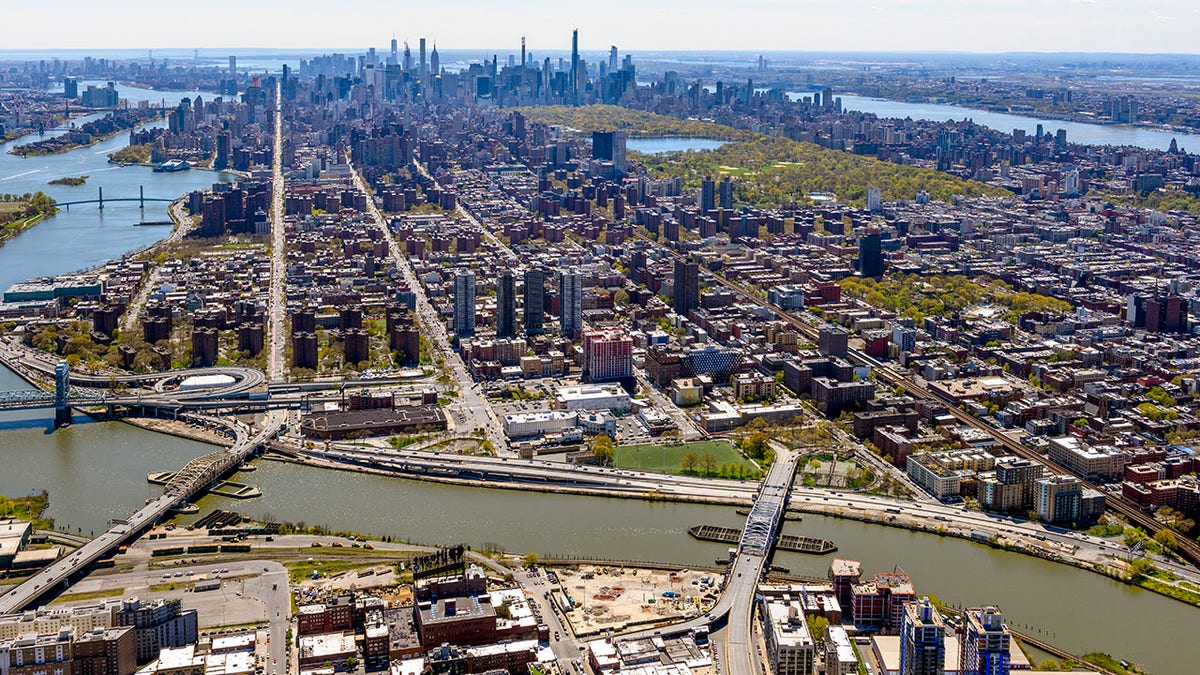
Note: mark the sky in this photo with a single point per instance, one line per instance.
(1145, 26)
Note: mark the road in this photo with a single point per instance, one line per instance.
(277, 305)
(62, 571)
(471, 410)
(256, 590)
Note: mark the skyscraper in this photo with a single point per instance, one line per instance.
(464, 303)
(573, 81)
(435, 62)
(570, 297)
(922, 640)
(985, 642)
(687, 287)
(870, 255)
(535, 301)
(506, 313)
(422, 49)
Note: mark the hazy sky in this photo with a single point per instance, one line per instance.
(800, 25)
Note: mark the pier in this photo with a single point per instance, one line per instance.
(786, 542)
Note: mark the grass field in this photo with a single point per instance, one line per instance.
(665, 458)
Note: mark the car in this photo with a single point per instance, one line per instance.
(167, 575)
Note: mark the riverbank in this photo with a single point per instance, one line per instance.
(19, 226)
(1056, 115)
(64, 143)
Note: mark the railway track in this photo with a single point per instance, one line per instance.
(1187, 548)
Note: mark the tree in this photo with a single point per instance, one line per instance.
(689, 462)
(817, 626)
(531, 559)
(603, 448)
(1175, 520)
(708, 462)
(1166, 539)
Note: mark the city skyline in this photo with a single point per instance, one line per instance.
(1162, 26)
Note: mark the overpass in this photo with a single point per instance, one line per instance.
(735, 608)
(193, 478)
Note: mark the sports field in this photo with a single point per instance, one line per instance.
(665, 458)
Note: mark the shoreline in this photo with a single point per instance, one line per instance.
(881, 518)
(1035, 117)
(96, 140)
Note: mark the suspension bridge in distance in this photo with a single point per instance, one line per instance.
(141, 199)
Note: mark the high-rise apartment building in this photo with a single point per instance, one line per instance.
(607, 355)
(464, 303)
(687, 287)
(535, 301)
(1059, 499)
(570, 298)
(870, 255)
(985, 642)
(922, 640)
(506, 305)
(158, 624)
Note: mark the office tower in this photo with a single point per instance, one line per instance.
(535, 301)
(464, 303)
(985, 642)
(233, 67)
(435, 62)
(612, 59)
(422, 49)
(686, 290)
(407, 58)
(506, 306)
(870, 255)
(70, 88)
(523, 61)
(573, 81)
(395, 52)
(570, 298)
(922, 640)
(725, 192)
(708, 195)
(607, 355)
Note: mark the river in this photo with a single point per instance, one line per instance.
(85, 235)
(96, 471)
(1077, 132)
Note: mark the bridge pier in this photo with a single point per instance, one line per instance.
(101, 200)
(62, 390)
(141, 197)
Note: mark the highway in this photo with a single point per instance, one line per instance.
(121, 531)
(736, 603)
(1188, 548)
